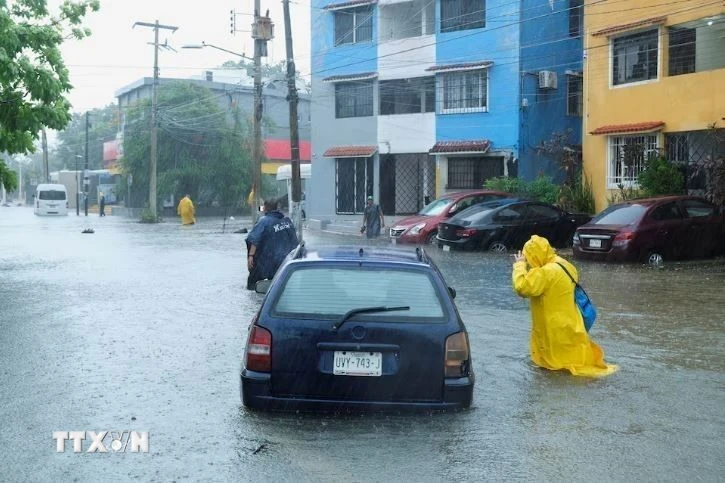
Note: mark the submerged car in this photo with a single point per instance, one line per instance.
(357, 329)
(652, 230)
(423, 227)
(507, 224)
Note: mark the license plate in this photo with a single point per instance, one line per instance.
(594, 243)
(347, 363)
(446, 248)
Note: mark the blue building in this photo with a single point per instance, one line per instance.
(415, 98)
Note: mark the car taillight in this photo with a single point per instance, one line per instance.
(457, 355)
(623, 238)
(259, 350)
(466, 232)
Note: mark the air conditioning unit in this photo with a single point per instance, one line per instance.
(547, 79)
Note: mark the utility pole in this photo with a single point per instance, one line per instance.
(294, 135)
(262, 31)
(85, 171)
(45, 157)
(154, 106)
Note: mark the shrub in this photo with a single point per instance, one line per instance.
(541, 189)
(579, 197)
(624, 194)
(505, 184)
(660, 177)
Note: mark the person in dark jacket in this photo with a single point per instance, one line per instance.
(268, 243)
(373, 219)
(102, 205)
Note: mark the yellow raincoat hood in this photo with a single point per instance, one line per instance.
(559, 340)
(538, 252)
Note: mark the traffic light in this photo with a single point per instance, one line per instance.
(232, 22)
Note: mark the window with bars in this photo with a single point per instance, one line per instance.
(353, 25)
(407, 96)
(574, 101)
(634, 57)
(353, 99)
(696, 47)
(576, 16)
(472, 172)
(463, 91)
(627, 158)
(682, 51)
(462, 15)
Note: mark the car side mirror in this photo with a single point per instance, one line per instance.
(452, 291)
(262, 286)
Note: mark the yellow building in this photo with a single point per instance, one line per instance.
(654, 81)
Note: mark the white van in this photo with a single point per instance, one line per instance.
(51, 199)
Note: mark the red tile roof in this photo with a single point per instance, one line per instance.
(351, 77)
(477, 146)
(625, 128)
(350, 152)
(280, 150)
(629, 26)
(484, 64)
(351, 4)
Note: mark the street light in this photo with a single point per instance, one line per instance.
(204, 44)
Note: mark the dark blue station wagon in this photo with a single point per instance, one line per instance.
(357, 329)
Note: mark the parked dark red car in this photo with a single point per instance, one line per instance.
(652, 230)
(423, 227)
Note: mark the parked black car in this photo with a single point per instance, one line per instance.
(507, 224)
(653, 230)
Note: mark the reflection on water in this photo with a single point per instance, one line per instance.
(148, 322)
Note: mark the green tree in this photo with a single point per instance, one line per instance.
(8, 177)
(270, 72)
(72, 140)
(33, 77)
(202, 148)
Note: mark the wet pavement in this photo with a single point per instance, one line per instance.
(141, 327)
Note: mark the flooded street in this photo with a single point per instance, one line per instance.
(142, 328)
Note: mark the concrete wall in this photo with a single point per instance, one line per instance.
(545, 45)
(329, 60)
(497, 42)
(688, 102)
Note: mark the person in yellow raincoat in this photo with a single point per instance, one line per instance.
(559, 340)
(186, 211)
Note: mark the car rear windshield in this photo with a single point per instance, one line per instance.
(330, 292)
(620, 215)
(436, 207)
(473, 214)
(52, 195)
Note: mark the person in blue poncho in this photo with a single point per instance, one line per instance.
(268, 243)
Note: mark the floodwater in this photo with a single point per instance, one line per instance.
(142, 328)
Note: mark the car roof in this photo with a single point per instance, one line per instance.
(462, 193)
(351, 253)
(657, 199)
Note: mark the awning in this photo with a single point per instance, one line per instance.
(649, 126)
(615, 29)
(351, 77)
(350, 152)
(351, 4)
(484, 64)
(479, 146)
